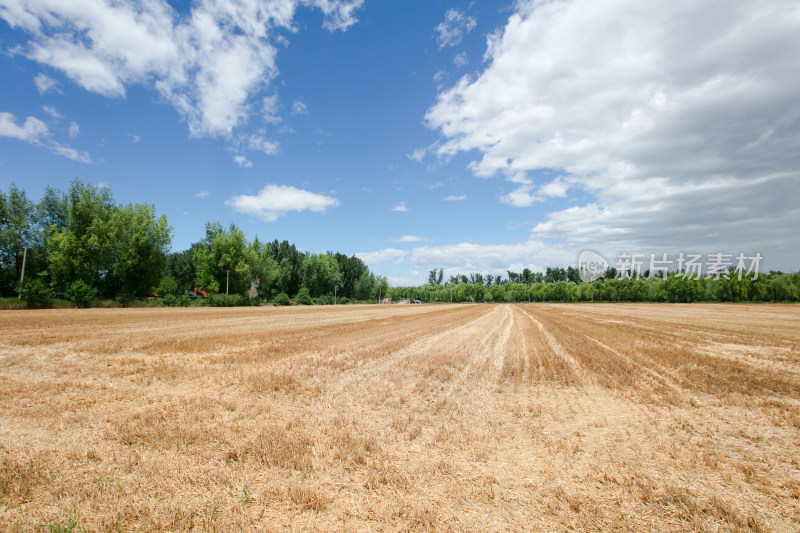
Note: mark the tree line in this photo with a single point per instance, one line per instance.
(564, 285)
(82, 246)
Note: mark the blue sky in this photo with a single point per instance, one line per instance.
(479, 137)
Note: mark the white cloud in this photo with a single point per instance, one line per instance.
(260, 143)
(274, 201)
(202, 194)
(512, 226)
(388, 255)
(69, 153)
(134, 138)
(242, 161)
(400, 208)
(44, 83)
(412, 238)
(412, 279)
(678, 118)
(36, 132)
(417, 155)
(53, 112)
(461, 59)
(556, 188)
(32, 130)
(210, 64)
(299, 108)
(269, 109)
(521, 197)
(338, 15)
(74, 130)
(454, 198)
(450, 31)
(466, 257)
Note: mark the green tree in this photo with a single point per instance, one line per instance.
(137, 242)
(16, 233)
(224, 259)
(497, 293)
(366, 287)
(321, 274)
(351, 269)
(167, 286)
(79, 250)
(179, 265)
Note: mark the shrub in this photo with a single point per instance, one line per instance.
(170, 300)
(225, 300)
(344, 300)
(304, 297)
(281, 299)
(325, 299)
(124, 298)
(37, 294)
(184, 301)
(81, 294)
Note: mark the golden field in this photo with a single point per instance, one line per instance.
(402, 418)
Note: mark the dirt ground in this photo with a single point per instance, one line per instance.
(598, 417)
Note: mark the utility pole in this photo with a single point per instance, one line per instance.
(227, 276)
(22, 275)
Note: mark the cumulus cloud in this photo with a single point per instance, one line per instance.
(454, 198)
(36, 132)
(451, 30)
(202, 194)
(388, 255)
(400, 208)
(461, 59)
(210, 64)
(412, 238)
(678, 120)
(556, 188)
(32, 130)
(275, 201)
(521, 197)
(242, 161)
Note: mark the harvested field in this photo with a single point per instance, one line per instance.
(402, 418)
